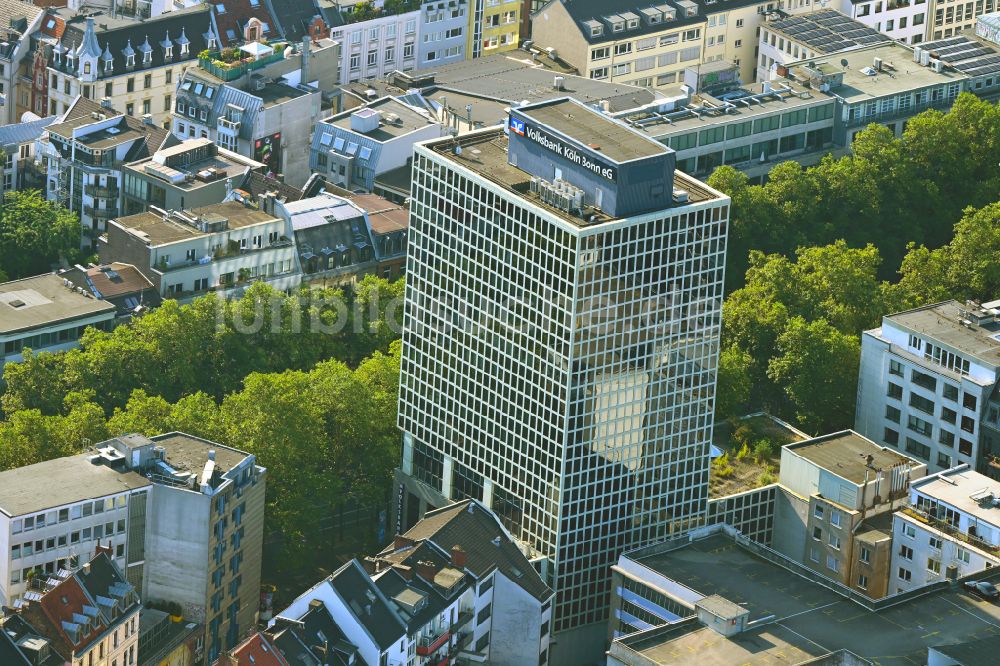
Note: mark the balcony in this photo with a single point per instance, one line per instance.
(221, 255)
(101, 192)
(230, 125)
(884, 116)
(427, 645)
(950, 530)
(100, 213)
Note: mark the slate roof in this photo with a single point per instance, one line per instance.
(150, 138)
(214, 103)
(473, 527)
(18, 133)
(13, 630)
(298, 642)
(597, 10)
(257, 183)
(293, 16)
(117, 35)
(235, 14)
(353, 584)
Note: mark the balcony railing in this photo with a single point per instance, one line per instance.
(232, 125)
(223, 255)
(950, 530)
(911, 110)
(102, 213)
(428, 644)
(101, 192)
(230, 71)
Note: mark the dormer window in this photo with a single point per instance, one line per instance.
(184, 49)
(168, 52)
(86, 68)
(617, 26)
(147, 57)
(596, 30)
(130, 60)
(109, 65)
(633, 23)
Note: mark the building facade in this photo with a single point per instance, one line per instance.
(376, 45)
(20, 20)
(221, 248)
(950, 530)
(928, 381)
(83, 153)
(443, 30)
(517, 299)
(268, 120)
(134, 63)
(190, 509)
(44, 313)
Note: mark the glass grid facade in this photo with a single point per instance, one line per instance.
(565, 376)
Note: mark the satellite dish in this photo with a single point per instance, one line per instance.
(844, 63)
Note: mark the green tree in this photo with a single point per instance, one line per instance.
(734, 384)
(35, 233)
(967, 267)
(817, 368)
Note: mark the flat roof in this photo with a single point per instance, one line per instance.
(941, 322)
(513, 77)
(384, 216)
(810, 620)
(606, 137)
(157, 231)
(229, 164)
(826, 31)
(960, 488)
(485, 153)
(970, 54)
(61, 481)
(43, 300)
(407, 120)
(747, 103)
(190, 453)
(906, 75)
(846, 454)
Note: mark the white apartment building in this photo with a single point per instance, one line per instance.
(373, 48)
(192, 509)
(44, 313)
(442, 31)
(221, 248)
(903, 20)
(54, 514)
(421, 602)
(951, 530)
(927, 383)
(545, 338)
(84, 151)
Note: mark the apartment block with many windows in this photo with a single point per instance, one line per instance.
(927, 384)
(950, 530)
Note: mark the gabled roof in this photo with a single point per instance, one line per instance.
(17, 15)
(257, 183)
(293, 16)
(110, 280)
(15, 634)
(487, 545)
(257, 650)
(368, 604)
(190, 24)
(18, 133)
(303, 642)
(231, 17)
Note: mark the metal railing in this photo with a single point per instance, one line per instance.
(99, 191)
(232, 71)
(949, 529)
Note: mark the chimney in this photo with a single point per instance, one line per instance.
(109, 549)
(403, 570)
(232, 659)
(426, 570)
(86, 568)
(304, 67)
(315, 604)
(458, 556)
(401, 541)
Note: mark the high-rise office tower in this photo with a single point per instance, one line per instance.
(560, 344)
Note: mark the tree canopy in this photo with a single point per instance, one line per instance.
(34, 234)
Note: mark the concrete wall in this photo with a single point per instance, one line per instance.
(790, 518)
(515, 637)
(177, 541)
(295, 120)
(580, 646)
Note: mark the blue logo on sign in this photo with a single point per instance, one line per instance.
(517, 126)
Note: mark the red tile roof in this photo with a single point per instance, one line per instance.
(53, 26)
(258, 648)
(61, 602)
